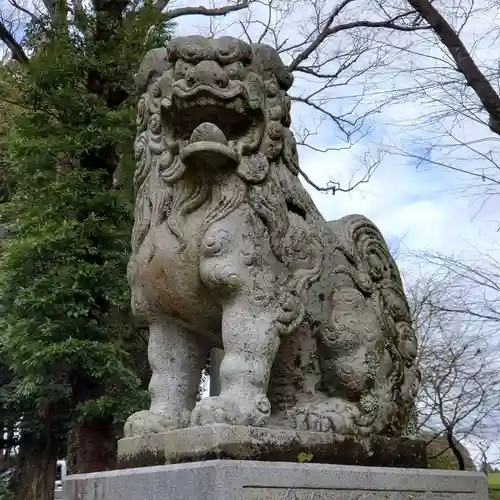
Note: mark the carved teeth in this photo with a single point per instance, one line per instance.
(208, 132)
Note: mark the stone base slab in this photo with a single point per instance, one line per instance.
(222, 441)
(243, 480)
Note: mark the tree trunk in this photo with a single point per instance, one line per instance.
(36, 468)
(466, 65)
(455, 450)
(94, 446)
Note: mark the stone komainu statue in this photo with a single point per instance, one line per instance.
(229, 251)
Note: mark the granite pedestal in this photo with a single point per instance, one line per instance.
(238, 442)
(250, 480)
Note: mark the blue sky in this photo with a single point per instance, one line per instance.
(421, 207)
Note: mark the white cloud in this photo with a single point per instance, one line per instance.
(423, 208)
(415, 206)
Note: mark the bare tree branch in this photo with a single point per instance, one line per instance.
(19, 7)
(370, 164)
(199, 11)
(390, 24)
(464, 61)
(17, 51)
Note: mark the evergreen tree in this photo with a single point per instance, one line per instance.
(69, 350)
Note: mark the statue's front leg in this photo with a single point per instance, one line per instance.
(239, 267)
(177, 358)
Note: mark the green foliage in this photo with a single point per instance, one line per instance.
(441, 462)
(67, 339)
(6, 480)
(494, 480)
(494, 486)
(304, 457)
(6, 493)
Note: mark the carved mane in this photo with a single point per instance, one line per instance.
(266, 178)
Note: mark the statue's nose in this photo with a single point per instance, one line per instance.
(207, 73)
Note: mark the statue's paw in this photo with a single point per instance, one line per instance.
(335, 415)
(146, 422)
(235, 410)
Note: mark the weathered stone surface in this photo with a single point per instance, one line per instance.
(243, 480)
(229, 251)
(260, 443)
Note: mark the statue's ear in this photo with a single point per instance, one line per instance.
(154, 62)
(253, 169)
(290, 153)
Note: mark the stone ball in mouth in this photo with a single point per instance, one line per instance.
(208, 131)
(212, 128)
(212, 136)
(208, 148)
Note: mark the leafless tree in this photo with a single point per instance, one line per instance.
(352, 59)
(455, 316)
(433, 62)
(486, 462)
(447, 90)
(336, 49)
(338, 54)
(466, 65)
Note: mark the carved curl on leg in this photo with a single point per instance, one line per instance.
(237, 265)
(333, 415)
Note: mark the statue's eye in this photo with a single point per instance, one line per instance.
(272, 89)
(233, 70)
(181, 68)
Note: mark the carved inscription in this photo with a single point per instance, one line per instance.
(259, 493)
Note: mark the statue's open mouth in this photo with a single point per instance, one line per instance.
(212, 127)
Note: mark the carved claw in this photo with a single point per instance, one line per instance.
(335, 415)
(234, 410)
(146, 422)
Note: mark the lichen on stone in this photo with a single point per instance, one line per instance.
(368, 402)
(411, 429)
(372, 362)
